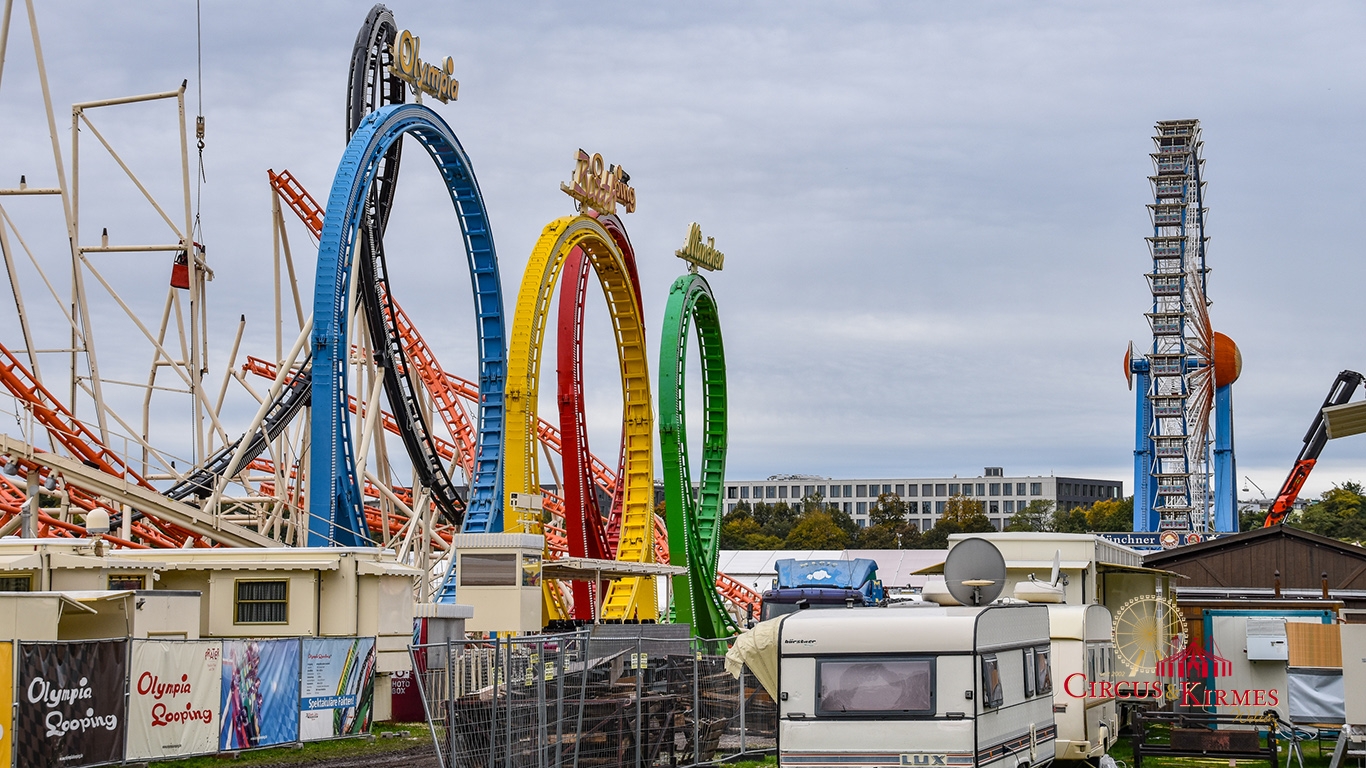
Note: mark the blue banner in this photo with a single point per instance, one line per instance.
(260, 695)
(337, 687)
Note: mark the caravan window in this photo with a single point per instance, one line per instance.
(1029, 672)
(992, 694)
(1043, 671)
(870, 685)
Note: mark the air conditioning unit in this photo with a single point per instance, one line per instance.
(1266, 640)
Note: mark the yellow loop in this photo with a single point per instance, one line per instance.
(632, 598)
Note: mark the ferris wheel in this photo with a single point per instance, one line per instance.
(1183, 469)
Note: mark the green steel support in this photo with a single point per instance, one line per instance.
(694, 522)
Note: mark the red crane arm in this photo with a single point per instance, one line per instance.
(1344, 386)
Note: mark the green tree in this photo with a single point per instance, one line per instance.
(1035, 516)
(888, 527)
(1111, 515)
(1339, 513)
(1250, 517)
(739, 530)
(962, 514)
(776, 519)
(1069, 521)
(817, 530)
(845, 523)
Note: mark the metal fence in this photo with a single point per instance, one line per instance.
(585, 699)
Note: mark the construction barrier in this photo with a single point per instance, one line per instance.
(102, 702)
(564, 701)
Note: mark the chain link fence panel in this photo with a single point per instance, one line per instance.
(621, 695)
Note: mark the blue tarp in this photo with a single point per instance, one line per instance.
(849, 574)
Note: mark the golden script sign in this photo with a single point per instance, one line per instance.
(700, 254)
(423, 76)
(600, 188)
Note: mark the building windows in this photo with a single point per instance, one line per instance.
(981, 489)
(1008, 507)
(862, 523)
(911, 490)
(1035, 489)
(925, 508)
(22, 583)
(820, 491)
(861, 507)
(886, 488)
(995, 489)
(782, 491)
(807, 491)
(927, 490)
(939, 507)
(848, 491)
(1019, 489)
(995, 508)
(122, 581)
(901, 489)
(940, 489)
(744, 492)
(263, 602)
(846, 507)
(796, 491)
(862, 491)
(834, 491)
(770, 491)
(953, 489)
(730, 508)
(732, 492)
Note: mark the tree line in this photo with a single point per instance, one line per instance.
(814, 524)
(1338, 513)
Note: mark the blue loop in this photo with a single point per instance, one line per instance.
(334, 498)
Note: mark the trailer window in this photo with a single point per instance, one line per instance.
(992, 694)
(875, 686)
(1029, 672)
(1043, 671)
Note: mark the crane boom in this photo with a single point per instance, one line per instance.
(1342, 390)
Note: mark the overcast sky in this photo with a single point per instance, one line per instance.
(933, 213)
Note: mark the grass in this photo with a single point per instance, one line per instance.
(1314, 757)
(769, 760)
(311, 752)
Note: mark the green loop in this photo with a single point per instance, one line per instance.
(694, 522)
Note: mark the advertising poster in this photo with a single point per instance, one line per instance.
(6, 694)
(337, 690)
(71, 709)
(173, 698)
(260, 693)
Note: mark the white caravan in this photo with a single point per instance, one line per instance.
(923, 686)
(1083, 654)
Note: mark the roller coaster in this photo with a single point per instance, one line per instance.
(312, 467)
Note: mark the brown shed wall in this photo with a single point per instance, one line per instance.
(1252, 562)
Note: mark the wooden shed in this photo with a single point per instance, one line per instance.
(1250, 564)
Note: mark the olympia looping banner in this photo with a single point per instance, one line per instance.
(174, 698)
(260, 693)
(71, 709)
(337, 688)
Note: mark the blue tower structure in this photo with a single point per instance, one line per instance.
(1183, 472)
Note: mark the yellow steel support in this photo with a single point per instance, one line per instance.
(632, 598)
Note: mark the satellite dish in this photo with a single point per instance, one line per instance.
(975, 572)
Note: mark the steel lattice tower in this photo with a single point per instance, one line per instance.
(1173, 468)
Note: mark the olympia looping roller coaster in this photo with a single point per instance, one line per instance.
(312, 468)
